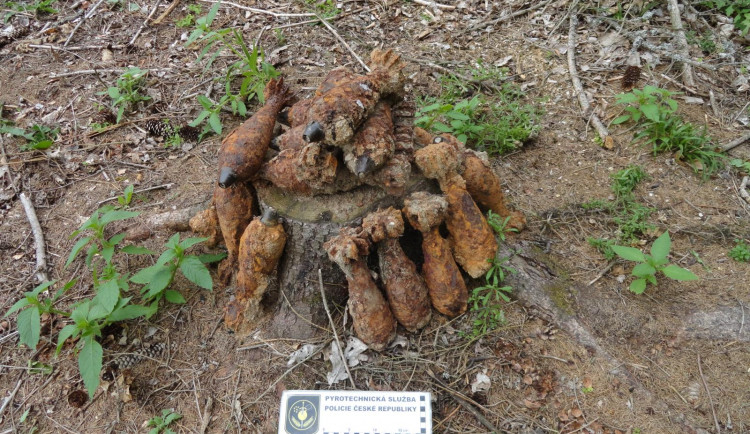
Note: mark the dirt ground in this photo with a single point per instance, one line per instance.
(675, 359)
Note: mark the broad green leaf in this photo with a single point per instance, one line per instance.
(457, 116)
(29, 327)
(429, 108)
(638, 286)
(107, 295)
(115, 215)
(442, 127)
(197, 121)
(113, 92)
(90, 364)
(620, 119)
(189, 242)
(42, 145)
(107, 253)
(205, 102)
(67, 331)
(136, 250)
(167, 256)
(81, 313)
(651, 111)
(629, 253)
(660, 248)
(173, 296)
(678, 273)
(625, 98)
(77, 249)
(643, 269)
(207, 258)
(117, 238)
(44, 285)
(18, 305)
(130, 311)
(194, 270)
(145, 275)
(212, 13)
(215, 122)
(159, 281)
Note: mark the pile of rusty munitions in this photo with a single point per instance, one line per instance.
(341, 138)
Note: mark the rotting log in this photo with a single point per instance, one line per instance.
(292, 302)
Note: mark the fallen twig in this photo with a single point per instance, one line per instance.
(83, 18)
(602, 273)
(259, 11)
(36, 229)
(434, 4)
(465, 404)
(682, 45)
(708, 392)
(282, 376)
(736, 142)
(333, 327)
(143, 190)
(11, 396)
(76, 48)
(585, 106)
(98, 71)
(464, 78)
(507, 17)
(743, 189)
(165, 13)
(208, 407)
(343, 42)
(145, 22)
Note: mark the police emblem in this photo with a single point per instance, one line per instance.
(302, 414)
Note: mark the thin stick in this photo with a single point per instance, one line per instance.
(209, 406)
(143, 190)
(343, 42)
(83, 18)
(708, 392)
(743, 189)
(41, 257)
(434, 5)
(583, 101)
(736, 142)
(483, 420)
(97, 71)
(260, 11)
(682, 86)
(12, 395)
(145, 23)
(76, 48)
(602, 273)
(333, 327)
(507, 17)
(164, 15)
(281, 377)
(682, 45)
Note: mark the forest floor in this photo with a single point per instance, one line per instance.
(681, 350)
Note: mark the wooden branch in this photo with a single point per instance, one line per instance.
(708, 392)
(83, 18)
(510, 16)
(164, 14)
(11, 396)
(143, 190)
(434, 4)
(333, 327)
(343, 42)
(36, 229)
(460, 399)
(682, 45)
(584, 102)
(259, 11)
(736, 142)
(145, 23)
(744, 195)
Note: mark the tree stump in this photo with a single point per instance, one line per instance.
(293, 300)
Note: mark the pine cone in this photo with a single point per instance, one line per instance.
(159, 128)
(189, 133)
(631, 77)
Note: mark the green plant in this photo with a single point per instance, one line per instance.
(741, 165)
(659, 127)
(210, 112)
(161, 423)
(604, 246)
(739, 10)
(499, 225)
(126, 91)
(158, 277)
(189, 19)
(31, 308)
(740, 252)
(485, 301)
(324, 8)
(280, 37)
(586, 390)
(40, 137)
(648, 265)
(37, 8)
(496, 123)
(624, 181)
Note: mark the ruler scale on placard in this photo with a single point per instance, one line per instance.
(339, 412)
